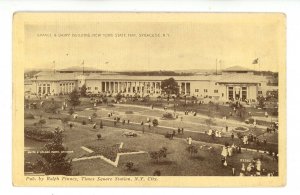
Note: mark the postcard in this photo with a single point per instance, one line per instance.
(149, 99)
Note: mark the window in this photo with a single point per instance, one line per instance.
(216, 91)
(259, 92)
(96, 88)
(48, 88)
(230, 93)
(89, 88)
(196, 90)
(244, 93)
(205, 90)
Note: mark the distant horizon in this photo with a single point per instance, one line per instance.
(136, 70)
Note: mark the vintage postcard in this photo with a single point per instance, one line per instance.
(149, 99)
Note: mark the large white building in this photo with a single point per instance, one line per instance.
(234, 83)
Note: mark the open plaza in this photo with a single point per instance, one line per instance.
(217, 125)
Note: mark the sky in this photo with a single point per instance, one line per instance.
(152, 42)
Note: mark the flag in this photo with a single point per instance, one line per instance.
(255, 61)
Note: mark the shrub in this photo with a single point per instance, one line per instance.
(71, 111)
(83, 122)
(38, 135)
(42, 122)
(155, 122)
(192, 149)
(28, 116)
(157, 155)
(168, 115)
(129, 112)
(51, 107)
(157, 173)
(241, 128)
(129, 165)
(209, 122)
(94, 115)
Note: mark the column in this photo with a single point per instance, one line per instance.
(184, 88)
(226, 93)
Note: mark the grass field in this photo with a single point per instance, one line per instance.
(177, 162)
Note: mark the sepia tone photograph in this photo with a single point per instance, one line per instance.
(149, 99)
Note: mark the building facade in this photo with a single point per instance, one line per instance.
(235, 83)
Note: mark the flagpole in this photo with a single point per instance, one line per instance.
(54, 66)
(83, 67)
(216, 66)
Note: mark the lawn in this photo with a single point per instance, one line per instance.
(177, 162)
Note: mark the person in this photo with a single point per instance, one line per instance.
(149, 126)
(243, 167)
(94, 126)
(209, 132)
(229, 151)
(224, 152)
(258, 165)
(266, 114)
(226, 128)
(213, 135)
(75, 116)
(222, 160)
(71, 125)
(232, 136)
(178, 130)
(123, 122)
(90, 118)
(174, 133)
(128, 121)
(143, 129)
(182, 130)
(189, 139)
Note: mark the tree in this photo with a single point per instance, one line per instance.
(74, 98)
(155, 122)
(42, 122)
(170, 86)
(53, 153)
(118, 97)
(83, 90)
(261, 101)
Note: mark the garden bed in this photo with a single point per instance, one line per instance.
(109, 152)
(240, 129)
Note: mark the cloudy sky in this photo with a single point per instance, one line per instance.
(153, 42)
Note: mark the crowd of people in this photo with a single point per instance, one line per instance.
(254, 168)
